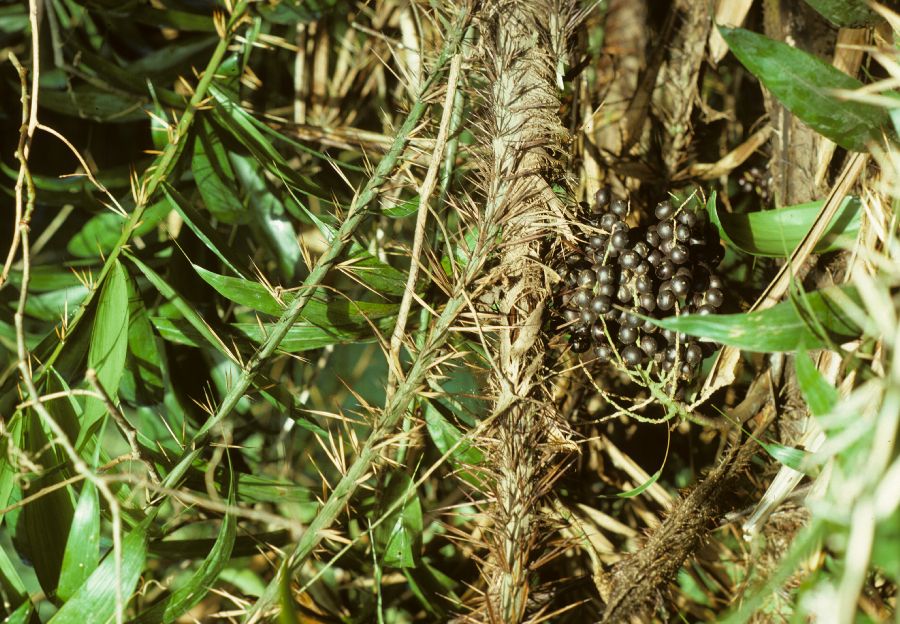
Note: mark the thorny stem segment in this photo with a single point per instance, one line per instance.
(526, 132)
(358, 212)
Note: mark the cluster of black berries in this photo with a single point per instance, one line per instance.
(626, 273)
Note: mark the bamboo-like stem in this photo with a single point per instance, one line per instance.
(358, 211)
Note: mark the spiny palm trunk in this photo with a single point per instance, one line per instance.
(525, 134)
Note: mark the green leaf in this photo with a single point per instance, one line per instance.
(776, 233)
(100, 234)
(301, 337)
(240, 124)
(82, 553)
(22, 615)
(336, 313)
(815, 320)
(53, 305)
(109, 343)
(187, 596)
(789, 456)
(11, 584)
(642, 487)
(89, 102)
(399, 536)
(142, 379)
(803, 83)
(214, 177)
(188, 311)
(403, 209)
(97, 596)
(849, 13)
(47, 519)
(269, 216)
(445, 435)
(203, 229)
(366, 268)
(821, 396)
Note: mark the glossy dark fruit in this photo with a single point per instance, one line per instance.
(618, 207)
(687, 217)
(643, 284)
(665, 270)
(601, 198)
(601, 304)
(666, 230)
(714, 297)
(622, 276)
(629, 259)
(582, 298)
(580, 345)
(599, 241)
(603, 352)
(663, 210)
(665, 300)
(629, 319)
(679, 254)
(587, 278)
(681, 285)
(648, 345)
(627, 335)
(606, 274)
(632, 355)
(642, 249)
(693, 355)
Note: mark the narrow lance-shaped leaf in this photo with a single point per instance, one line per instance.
(109, 343)
(821, 396)
(97, 596)
(846, 13)
(816, 320)
(804, 84)
(399, 535)
(200, 583)
(45, 522)
(83, 546)
(214, 176)
(776, 233)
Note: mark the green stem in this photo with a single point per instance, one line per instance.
(358, 211)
